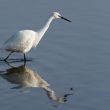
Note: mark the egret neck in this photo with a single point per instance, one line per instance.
(46, 26)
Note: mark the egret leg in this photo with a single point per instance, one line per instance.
(8, 56)
(24, 57)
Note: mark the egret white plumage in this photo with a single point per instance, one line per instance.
(24, 40)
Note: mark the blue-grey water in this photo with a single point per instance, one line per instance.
(72, 55)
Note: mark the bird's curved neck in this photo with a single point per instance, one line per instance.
(46, 26)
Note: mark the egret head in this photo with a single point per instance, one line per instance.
(57, 15)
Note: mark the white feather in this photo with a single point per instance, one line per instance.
(21, 41)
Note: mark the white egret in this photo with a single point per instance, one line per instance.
(24, 40)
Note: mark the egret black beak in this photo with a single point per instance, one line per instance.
(64, 18)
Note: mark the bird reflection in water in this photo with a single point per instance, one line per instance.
(26, 77)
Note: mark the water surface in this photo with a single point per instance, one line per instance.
(71, 55)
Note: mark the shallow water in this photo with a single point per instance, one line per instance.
(71, 56)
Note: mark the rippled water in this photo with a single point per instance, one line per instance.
(71, 65)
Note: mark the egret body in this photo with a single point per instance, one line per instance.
(24, 40)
